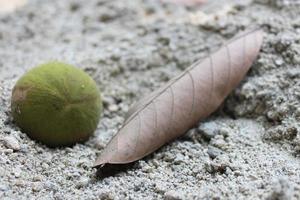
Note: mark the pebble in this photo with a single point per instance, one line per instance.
(160, 188)
(82, 182)
(297, 112)
(219, 142)
(45, 166)
(106, 196)
(173, 195)
(37, 178)
(11, 143)
(209, 130)
(217, 166)
(113, 108)
(179, 158)
(278, 62)
(99, 143)
(6, 151)
(37, 187)
(223, 131)
(17, 172)
(50, 186)
(108, 101)
(3, 188)
(213, 152)
(282, 189)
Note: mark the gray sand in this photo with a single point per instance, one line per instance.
(248, 149)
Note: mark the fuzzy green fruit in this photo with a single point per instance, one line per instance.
(56, 104)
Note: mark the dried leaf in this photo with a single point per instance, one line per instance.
(170, 111)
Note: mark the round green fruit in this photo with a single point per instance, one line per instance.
(56, 104)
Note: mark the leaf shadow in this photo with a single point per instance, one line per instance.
(109, 170)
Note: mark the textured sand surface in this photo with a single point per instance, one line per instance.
(248, 149)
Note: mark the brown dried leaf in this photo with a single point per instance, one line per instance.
(170, 111)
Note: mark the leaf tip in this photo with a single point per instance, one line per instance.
(99, 163)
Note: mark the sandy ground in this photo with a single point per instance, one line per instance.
(248, 149)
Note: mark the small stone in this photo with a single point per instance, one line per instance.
(50, 186)
(37, 187)
(82, 182)
(160, 188)
(224, 132)
(2, 170)
(179, 158)
(45, 166)
(219, 142)
(113, 108)
(155, 163)
(278, 62)
(37, 178)
(251, 176)
(168, 157)
(298, 112)
(228, 171)
(3, 188)
(213, 152)
(292, 132)
(106, 195)
(173, 195)
(282, 189)
(6, 151)
(11, 143)
(99, 143)
(74, 7)
(208, 130)
(17, 172)
(105, 17)
(20, 183)
(219, 165)
(107, 101)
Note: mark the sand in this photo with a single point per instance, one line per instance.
(248, 149)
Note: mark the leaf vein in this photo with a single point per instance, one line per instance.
(193, 92)
(183, 74)
(172, 108)
(155, 114)
(229, 63)
(212, 76)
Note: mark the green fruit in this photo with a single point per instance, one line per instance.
(56, 104)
